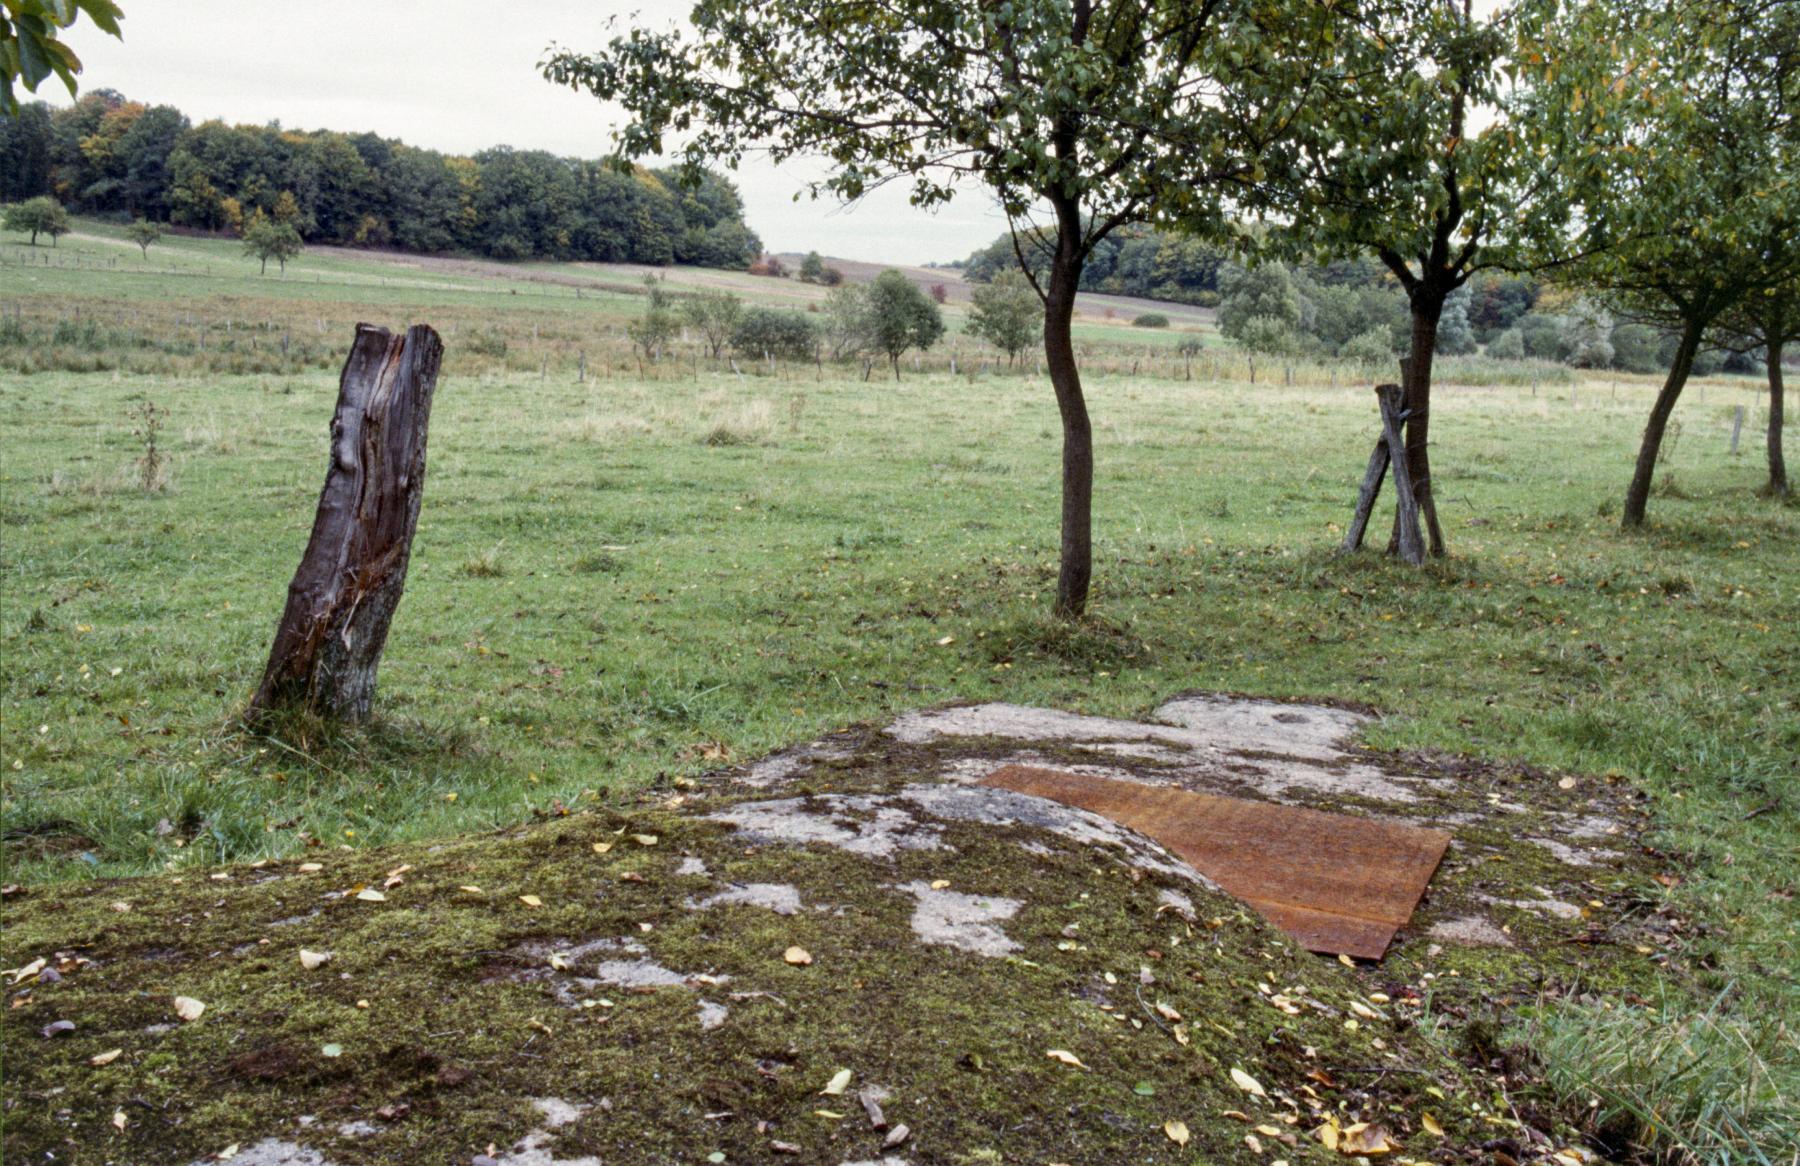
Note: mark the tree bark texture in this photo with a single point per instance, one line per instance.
(1427, 308)
(1391, 399)
(1778, 480)
(350, 579)
(1076, 571)
(1637, 495)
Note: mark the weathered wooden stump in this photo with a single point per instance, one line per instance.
(349, 582)
(1390, 446)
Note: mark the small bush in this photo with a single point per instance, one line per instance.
(1509, 345)
(768, 332)
(1151, 320)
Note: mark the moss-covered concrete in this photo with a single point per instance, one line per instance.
(451, 1009)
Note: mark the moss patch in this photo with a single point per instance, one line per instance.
(452, 1007)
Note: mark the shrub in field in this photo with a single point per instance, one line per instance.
(768, 332)
(1541, 334)
(1260, 293)
(1508, 345)
(1374, 347)
(1268, 336)
(1454, 335)
(1151, 320)
(771, 266)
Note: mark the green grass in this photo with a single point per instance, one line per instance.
(611, 576)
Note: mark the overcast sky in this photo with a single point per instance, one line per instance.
(458, 76)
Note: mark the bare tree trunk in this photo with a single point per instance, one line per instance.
(350, 579)
(1637, 495)
(1778, 481)
(1077, 566)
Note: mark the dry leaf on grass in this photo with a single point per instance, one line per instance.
(1247, 1083)
(188, 1008)
(1177, 1132)
(1065, 1056)
(798, 956)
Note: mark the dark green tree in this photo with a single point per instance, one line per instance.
(901, 317)
(42, 215)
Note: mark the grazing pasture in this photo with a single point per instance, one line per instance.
(630, 572)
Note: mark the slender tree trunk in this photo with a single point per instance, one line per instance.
(1427, 306)
(1078, 435)
(1778, 481)
(1637, 496)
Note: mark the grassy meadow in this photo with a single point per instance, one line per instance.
(646, 571)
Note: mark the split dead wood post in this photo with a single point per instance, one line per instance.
(1389, 447)
(349, 582)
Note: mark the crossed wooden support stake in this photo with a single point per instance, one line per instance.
(1389, 447)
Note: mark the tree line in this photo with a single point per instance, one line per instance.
(1641, 151)
(106, 155)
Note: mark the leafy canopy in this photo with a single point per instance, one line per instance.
(1122, 108)
(30, 48)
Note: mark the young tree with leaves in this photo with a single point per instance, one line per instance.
(42, 215)
(1696, 191)
(267, 239)
(145, 234)
(1423, 162)
(901, 317)
(1007, 314)
(1099, 113)
(714, 314)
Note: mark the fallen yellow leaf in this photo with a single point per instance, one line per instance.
(602, 847)
(369, 896)
(644, 839)
(531, 900)
(310, 867)
(1431, 1126)
(188, 1008)
(1065, 1056)
(106, 1058)
(1247, 1083)
(798, 956)
(118, 1120)
(839, 1082)
(313, 959)
(1176, 1131)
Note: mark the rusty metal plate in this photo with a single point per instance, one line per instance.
(1335, 883)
